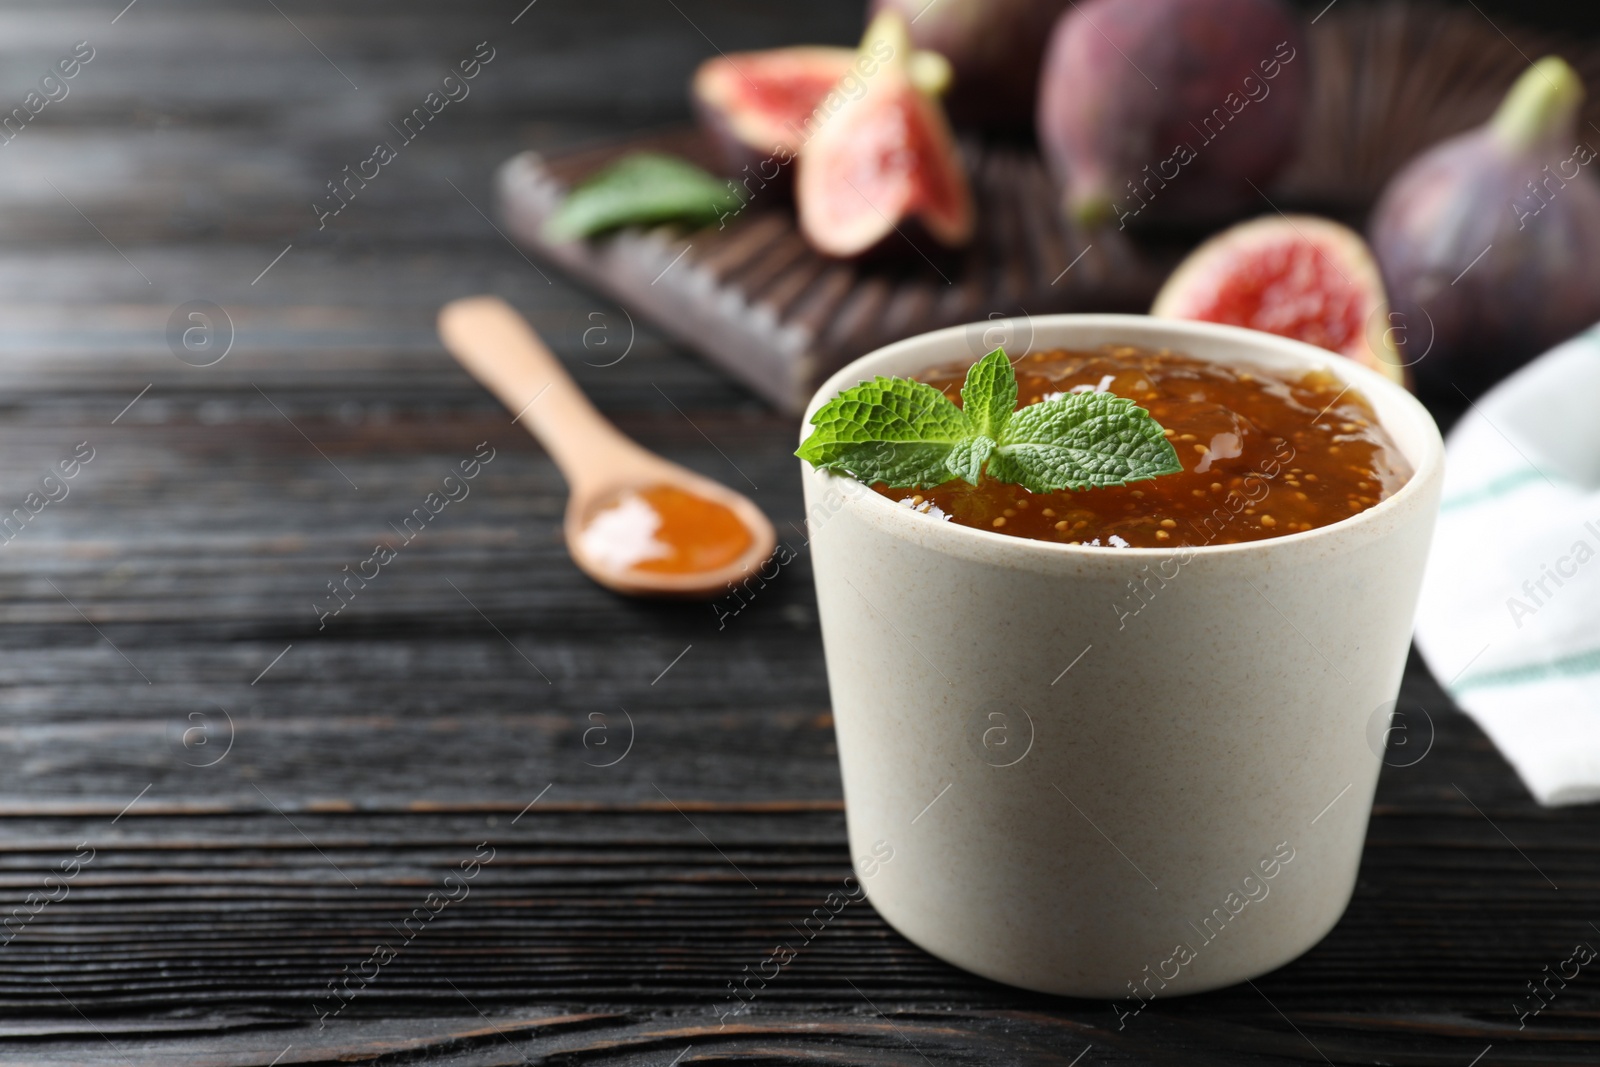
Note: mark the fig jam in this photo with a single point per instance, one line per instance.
(665, 530)
(1263, 454)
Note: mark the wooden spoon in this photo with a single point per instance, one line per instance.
(498, 347)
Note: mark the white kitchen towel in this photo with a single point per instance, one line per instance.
(1509, 620)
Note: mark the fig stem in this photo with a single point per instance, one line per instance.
(888, 39)
(1542, 104)
(931, 72)
(1091, 212)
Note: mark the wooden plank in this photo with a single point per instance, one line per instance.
(178, 914)
(386, 747)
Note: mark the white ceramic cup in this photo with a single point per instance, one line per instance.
(1093, 790)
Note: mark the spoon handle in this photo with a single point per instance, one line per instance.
(499, 348)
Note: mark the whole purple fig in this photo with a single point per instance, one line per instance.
(994, 48)
(1170, 110)
(1490, 242)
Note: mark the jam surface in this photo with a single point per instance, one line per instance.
(664, 530)
(1264, 455)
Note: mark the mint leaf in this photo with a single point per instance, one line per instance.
(641, 188)
(989, 395)
(1082, 441)
(966, 460)
(908, 434)
(889, 430)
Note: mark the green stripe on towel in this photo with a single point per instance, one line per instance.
(1574, 666)
(1497, 488)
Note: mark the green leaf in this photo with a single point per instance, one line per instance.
(989, 395)
(910, 435)
(887, 430)
(1082, 441)
(641, 188)
(966, 460)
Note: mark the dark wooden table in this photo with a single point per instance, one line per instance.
(573, 820)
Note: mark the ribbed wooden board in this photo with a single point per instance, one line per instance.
(753, 298)
(757, 301)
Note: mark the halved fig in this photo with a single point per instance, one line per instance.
(1296, 276)
(760, 107)
(884, 157)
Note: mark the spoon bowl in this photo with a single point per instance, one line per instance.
(630, 581)
(498, 348)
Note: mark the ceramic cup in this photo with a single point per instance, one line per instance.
(1119, 773)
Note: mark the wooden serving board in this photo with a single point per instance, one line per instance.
(753, 298)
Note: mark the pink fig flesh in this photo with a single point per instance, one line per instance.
(761, 107)
(1295, 276)
(886, 157)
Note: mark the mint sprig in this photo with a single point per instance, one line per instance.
(910, 435)
(642, 188)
